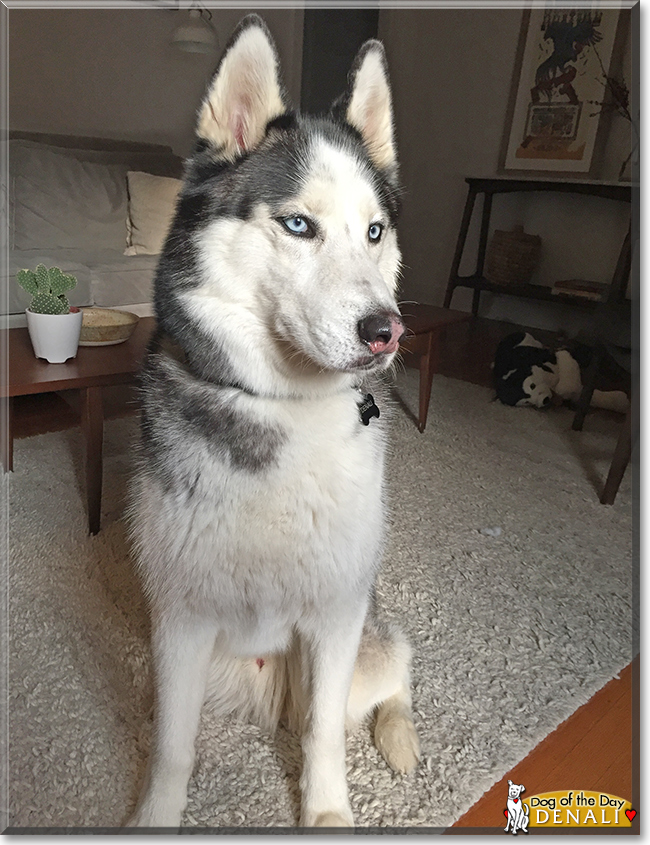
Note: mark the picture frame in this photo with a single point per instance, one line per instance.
(553, 125)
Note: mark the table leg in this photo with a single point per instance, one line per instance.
(476, 301)
(92, 423)
(428, 367)
(460, 246)
(483, 237)
(620, 460)
(7, 433)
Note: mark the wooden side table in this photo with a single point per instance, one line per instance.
(92, 369)
(424, 324)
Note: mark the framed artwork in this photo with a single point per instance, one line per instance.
(553, 124)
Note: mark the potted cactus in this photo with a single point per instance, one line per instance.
(54, 326)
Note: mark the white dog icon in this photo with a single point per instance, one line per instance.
(517, 810)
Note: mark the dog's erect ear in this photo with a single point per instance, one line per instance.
(368, 104)
(245, 92)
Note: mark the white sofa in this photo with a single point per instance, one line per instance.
(70, 206)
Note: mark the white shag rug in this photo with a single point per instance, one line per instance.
(510, 633)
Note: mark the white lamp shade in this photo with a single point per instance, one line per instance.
(195, 36)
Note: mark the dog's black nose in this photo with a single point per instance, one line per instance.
(547, 400)
(376, 327)
(382, 332)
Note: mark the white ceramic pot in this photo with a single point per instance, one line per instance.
(54, 337)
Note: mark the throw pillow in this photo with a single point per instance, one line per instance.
(152, 200)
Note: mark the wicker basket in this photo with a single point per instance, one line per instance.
(512, 257)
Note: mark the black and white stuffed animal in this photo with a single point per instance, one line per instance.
(527, 373)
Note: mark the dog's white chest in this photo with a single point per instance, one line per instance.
(299, 532)
(323, 496)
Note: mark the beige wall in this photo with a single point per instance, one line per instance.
(113, 72)
(451, 72)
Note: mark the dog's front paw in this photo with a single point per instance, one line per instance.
(327, 819)
(154, 818)
(398, 743)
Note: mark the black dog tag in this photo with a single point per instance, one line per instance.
(368, 409)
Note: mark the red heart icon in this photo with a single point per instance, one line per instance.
(630, 814)
(515, 800)
(505, 813)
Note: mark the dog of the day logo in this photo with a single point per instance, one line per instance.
(566, 808)
(516, 812)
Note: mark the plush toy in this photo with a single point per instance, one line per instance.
(527, 373)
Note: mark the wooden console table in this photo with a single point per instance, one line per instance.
(92, 369)
(508, 185)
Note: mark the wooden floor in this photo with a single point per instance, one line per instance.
(593, 749)
(597, 748)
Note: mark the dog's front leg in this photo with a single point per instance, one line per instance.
(331, 651)
(182, 648)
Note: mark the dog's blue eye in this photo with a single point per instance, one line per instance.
(374, 232)
(298, 225)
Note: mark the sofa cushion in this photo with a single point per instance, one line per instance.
(59, 202)
(152, 201)
(117, 279)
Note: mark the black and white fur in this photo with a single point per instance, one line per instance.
(528, 373)
(258, 511)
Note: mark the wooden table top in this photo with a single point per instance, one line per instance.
(93, 366)
(421, 319)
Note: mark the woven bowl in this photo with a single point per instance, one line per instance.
(106, 326)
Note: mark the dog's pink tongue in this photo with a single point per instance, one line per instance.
(381, 346)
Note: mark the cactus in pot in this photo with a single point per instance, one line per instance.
(48, 289)
(54, 326)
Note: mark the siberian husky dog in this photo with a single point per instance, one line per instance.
(258, 508)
